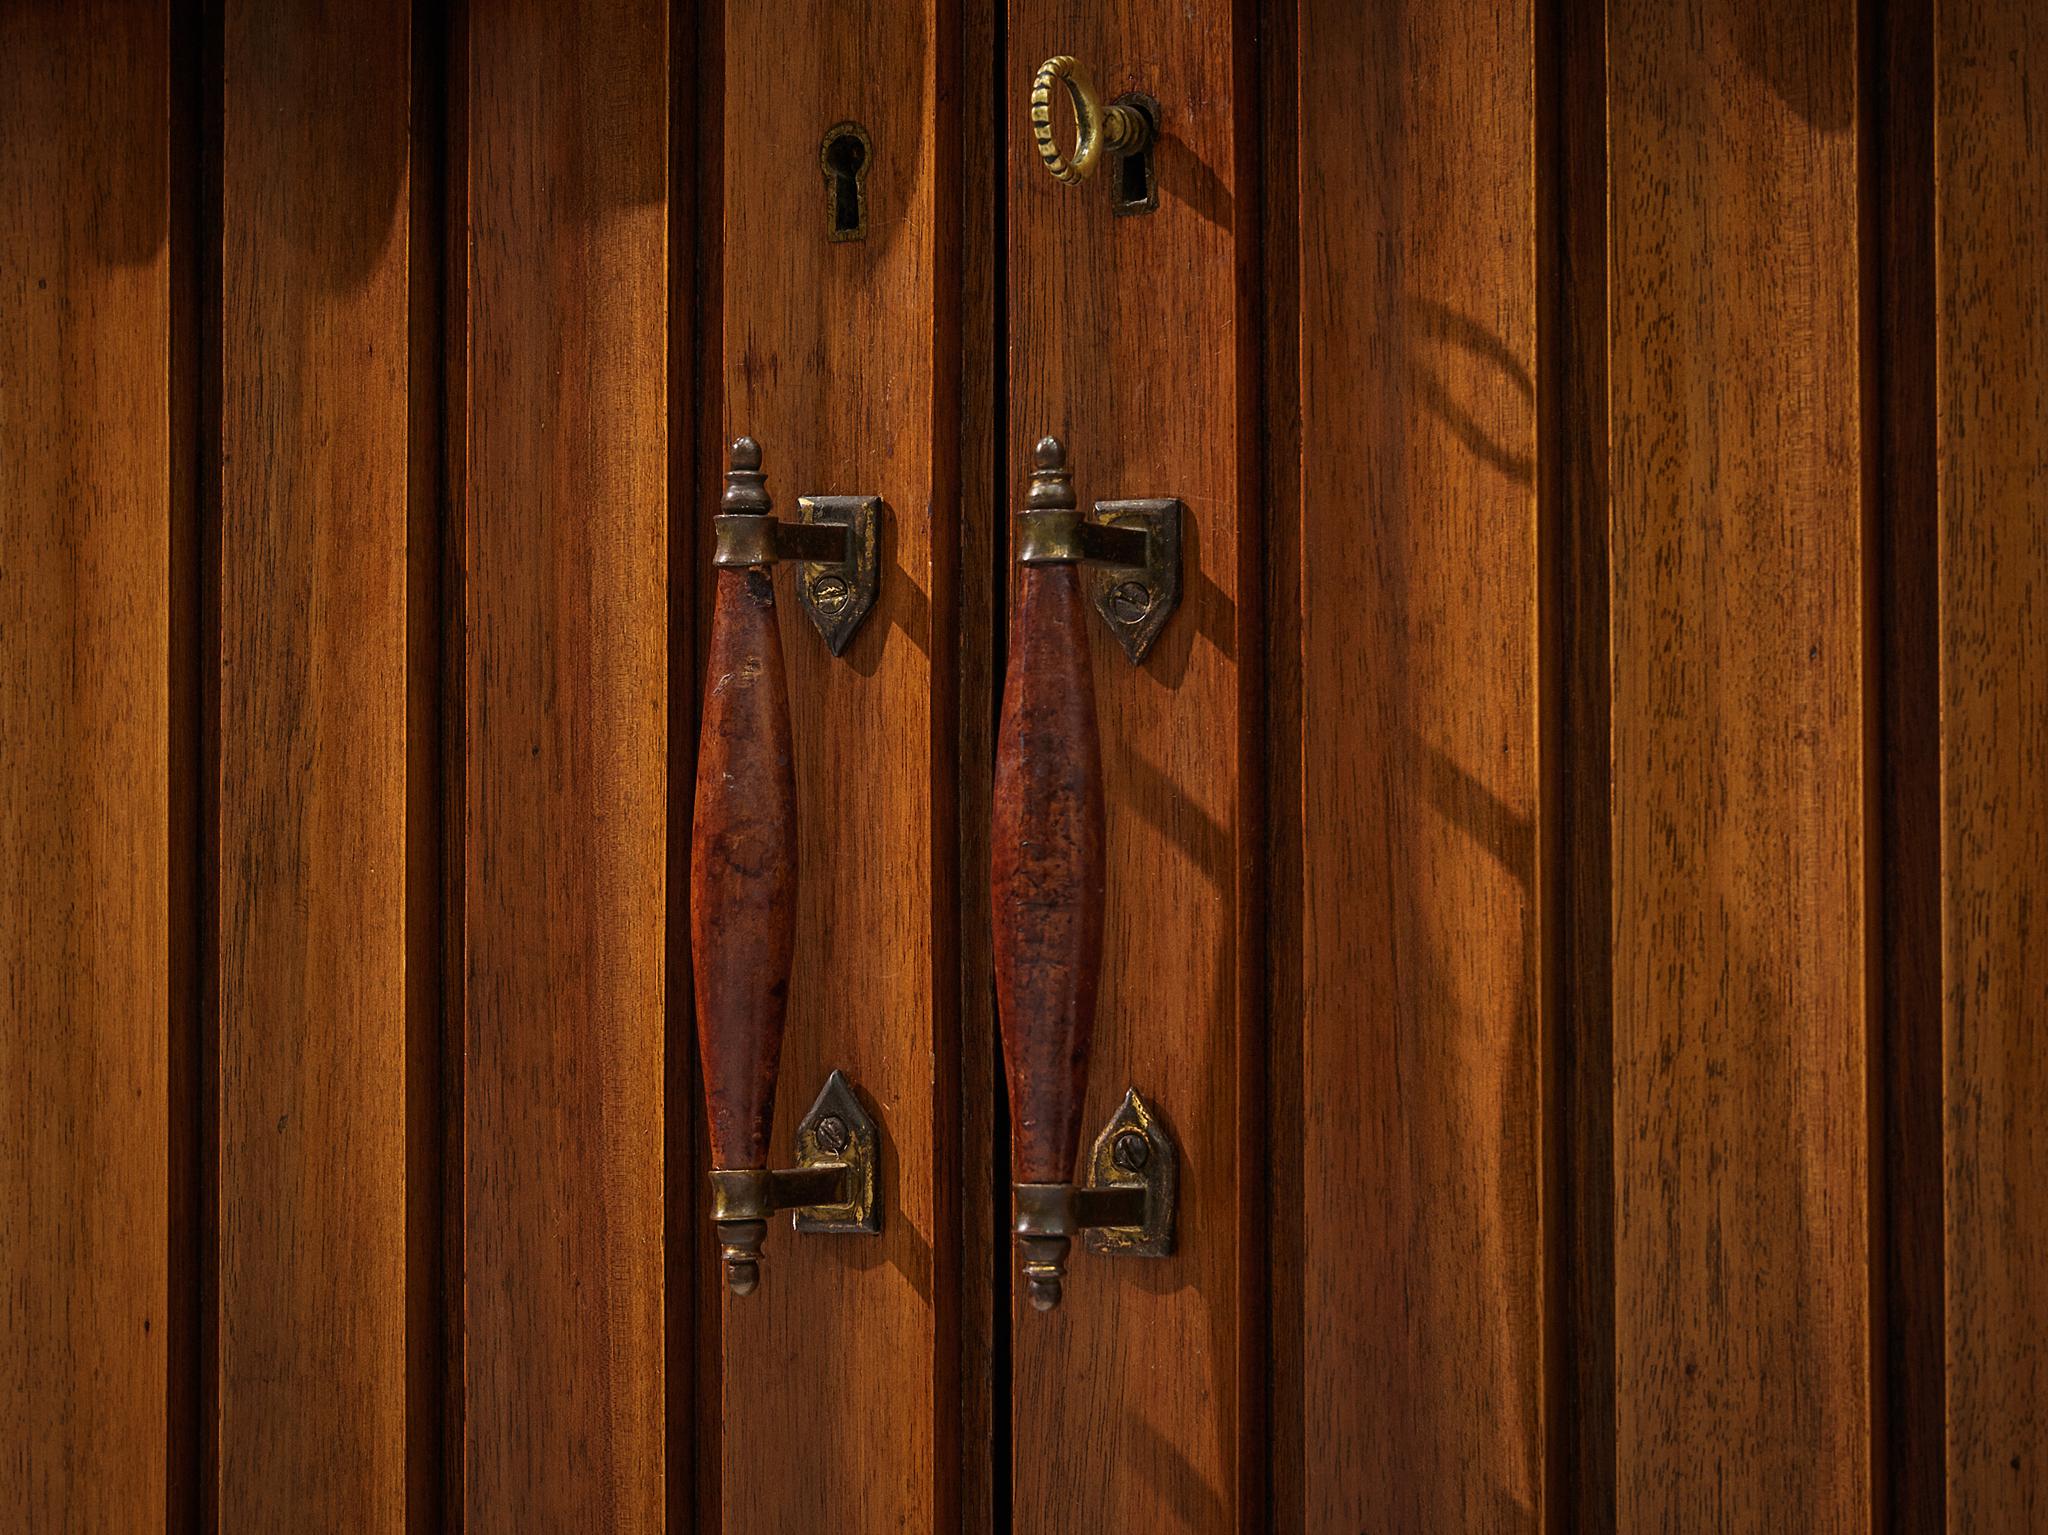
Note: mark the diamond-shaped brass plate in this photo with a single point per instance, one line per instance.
(838, 1117)
(1144, 1141)
(838, 597)
(1136, 602)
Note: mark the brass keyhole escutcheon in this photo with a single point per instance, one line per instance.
(844, 156)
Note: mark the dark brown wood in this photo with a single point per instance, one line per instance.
(1419, 1128)
(743, 867)
(1139, 1403)
(1576, 831)
(1743, 1023)
(842, 357)
(691, 1430)
(1046, 871)
(1280, 71)
(85, 905)
(698, 457)
(1644, 404)
(985, 497)
(1903, 775)
(1991, 257)
(564, 440)
(312, 827)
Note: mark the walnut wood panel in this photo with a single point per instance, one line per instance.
(1130, 339)
(312, 849)
(565, 441)
(1991, 253)
(1419, 1353)
(85, 918)
(1741, 1138)
(839, 358)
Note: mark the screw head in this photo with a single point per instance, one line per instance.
(831, 1134)
(1131, 1151)
(1130, 601)
(831, 594)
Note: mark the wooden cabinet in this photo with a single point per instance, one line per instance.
(1572, 863)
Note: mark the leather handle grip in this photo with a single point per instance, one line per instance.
(1046, 866)
(743, 848)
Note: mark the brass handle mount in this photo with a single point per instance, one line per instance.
(743, 855)
(836, 544)
(1120, 128)
(1047, 881)
(1131, 547)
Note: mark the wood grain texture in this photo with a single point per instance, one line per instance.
(743, 867)
(84, 735)
(1130, 340)
(1422, 1073)
(1576, 830)
(312, 829)
(838, 357)
(1741, 1073)
(1420, 1350)
(565, 687)
(1046, 873)
(698, 456)
(1280, 532)
(1991, 254)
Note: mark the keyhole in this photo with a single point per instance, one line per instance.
(1134, 179)
(845, 158)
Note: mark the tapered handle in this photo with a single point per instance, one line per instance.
(1046, 869)
(743, 847)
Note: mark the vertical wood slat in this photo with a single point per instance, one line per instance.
(984, 1251)
(1138, 1404)
(564, 448)
(1419, 1360)
(85, 622)
(312, 819)
(1991, 256)
(1737, 580)
(839, 358)
(1578, 824)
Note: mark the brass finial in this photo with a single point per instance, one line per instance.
(739, 1244)
(1052, 482)
(746, 487)
(1045, 1269)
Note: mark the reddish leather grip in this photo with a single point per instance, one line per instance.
(1046, 869)
(743, 850)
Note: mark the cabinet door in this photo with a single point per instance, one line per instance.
(1132, 338)
(831, 309)
(1572, 859)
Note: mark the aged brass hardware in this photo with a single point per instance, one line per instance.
(834, 1189)
(844, 156)
(1126, 1208)
(1133, 545)
(1126, 127)
(837, 541)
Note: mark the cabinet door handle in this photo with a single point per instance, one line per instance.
(1047, 885)
(743, 879)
